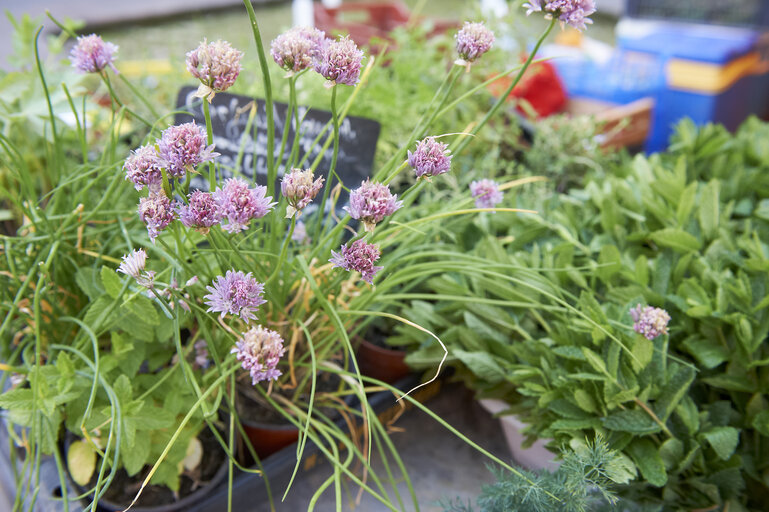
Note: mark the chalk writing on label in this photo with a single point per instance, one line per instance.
(246, 150)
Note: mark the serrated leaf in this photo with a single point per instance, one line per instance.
(595, 361)
(620, 469)
(482, 365)
(761, 423)
(643, 350)
(111, 282)
(136, 456)
(87, 279)
(99, 315)
(673, 391)
(144, 309)
(723, 440)
(585, 401)
(709, 209)
(81, 461)
(649, 462)
(686, 410)
(671, 452)
(686, 203)
(676, 239)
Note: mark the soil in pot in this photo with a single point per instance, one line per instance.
(158, 498)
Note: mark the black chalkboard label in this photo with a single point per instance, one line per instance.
(229, 120)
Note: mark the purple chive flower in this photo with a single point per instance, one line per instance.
(216, 65)
(235, 293)
(473, 40)
(201, 355)
(91, 55)
(339, 62)
(183, 147)
(201, 213)
(133, 265)
(650, 322)
(372, 202)
(300, 233)
(430, 158)
(486, 193)
(295, 49)
(359, 256)
(142, 167)
(259, 351)
(569, 12)
(238, 204)
(299, 189)
(156, 212)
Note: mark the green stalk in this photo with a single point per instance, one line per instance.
(271, 170)
(113, 95)
(335, 154)
(210, 140)
(460, 144)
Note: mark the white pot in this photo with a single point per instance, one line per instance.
(533, 458)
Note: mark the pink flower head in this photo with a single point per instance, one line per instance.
(339, 61)
(295, 49)
(91, 55)
(238, 204)
(235, 293)
(142, 167)
(486, 193)
(473, 40)
(430, 158)
(650, 322)
(133, 265)
(183, 147)
(299, 189)
(259, 351)
(358, 256)
(216, 65)
(200, 213)
(569, 12)
(372, 202)
(156, 212)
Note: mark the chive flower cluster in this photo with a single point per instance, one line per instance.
(359, 256)
(216, 65)
(473, 40)
(649, 321)
(430, 158)
(371, 203)
(569, 12)
(299, 188)
(91, 54)
(235, 293)
(183, 147)
(200, 212)
(295, 49)
(259, 350)
(237, 204)
(486, 193)
(133, 265)
(339, 62)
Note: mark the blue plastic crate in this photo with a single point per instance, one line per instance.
(712, 74)
(745, 13)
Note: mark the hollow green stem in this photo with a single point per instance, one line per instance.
(210, 140)
(334, 155)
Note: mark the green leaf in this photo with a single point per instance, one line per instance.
(620, 469)
(633, 421)
(723, 440)
(686, 204)
(708, 351)
(595, 361)
(87, 279)
(671, 452)
(643, 350)
(81, 461)
(97, 317)
(731, 383)
(642, 270)
(676, 239)
(673, 391)
(143, 308)
(647, 458)
(585, 400)
(137, 455)
(482, 365)
(610, 260)
(761, 423)
(687, 412)
(709, 208)
(111, 281)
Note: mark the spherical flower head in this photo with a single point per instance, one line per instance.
(216, 65)
(259, 350)
(339, 62)
(372, 202)
(91, 55)
(235, 293)
(156, 212)
(299, 189)
(295, 49)
(142, 167)
(200, 213)
(183, 147)
(650, 322)
(473, 40)
(358, 256)
(486, 193)
(237, 204)
(430, 158)
(133, 265)
(569, 12)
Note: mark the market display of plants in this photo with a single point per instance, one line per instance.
(136, 338)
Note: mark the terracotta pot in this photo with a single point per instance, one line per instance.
(268, 439)
(381, 363)
(537, 456)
